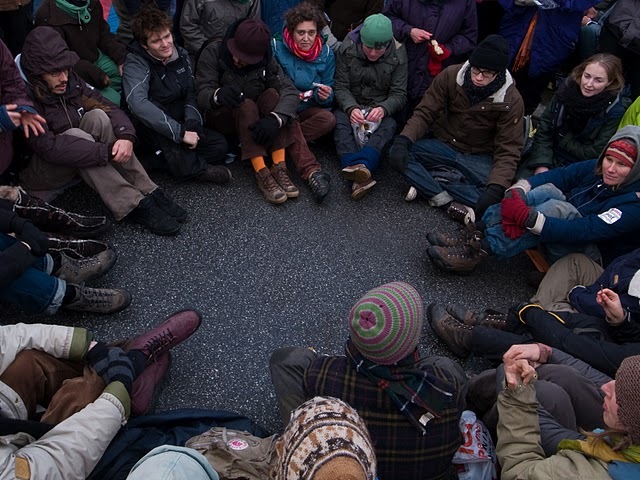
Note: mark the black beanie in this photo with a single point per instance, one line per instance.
(491, 54)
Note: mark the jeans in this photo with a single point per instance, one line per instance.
(35, 290)
(551, 202)
(434, 168)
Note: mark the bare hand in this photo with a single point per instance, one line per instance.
(121, 69)
(356, 116)
(529, 351)
(518, 372)
(13, 115)
(32, 122)
(191, 139)
(122, 151)
(418, 35)
(324, 92)
(610, 302)
(540, 170)
(376, 114)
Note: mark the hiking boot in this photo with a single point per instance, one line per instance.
(98, 300)
(489, 318)
(458, 259)
(215, 174)
(358, 190)
(456, 335)
(269, 187)
(168, 206)
(78, 248)
(281, 176)
(78, 270)
(411, 195)
(174, 330)
(145, 388)
(461, 213)
(358, 173)
(460, 236)
(151, 216)
(320, 185)
(53, 219)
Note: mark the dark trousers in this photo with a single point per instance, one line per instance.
(630, 60)
(15, 26)
(63, 387)
(178, 159)
(237, 120)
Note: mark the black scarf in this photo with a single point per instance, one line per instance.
(578, 109)
(478, 94)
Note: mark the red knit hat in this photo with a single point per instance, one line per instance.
(624, 150)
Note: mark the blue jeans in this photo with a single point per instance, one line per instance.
(551, 202)
(434, 168)
(34, 291)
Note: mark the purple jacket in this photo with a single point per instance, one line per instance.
(453, 23)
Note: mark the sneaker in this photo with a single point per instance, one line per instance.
(169, 207)
(358, 190)
(56, 220)
(411, 195)
(456, 335)
(156, 219)
(320, 185)
(269, 187)
(358, 173)
(77, 247)
(489, 318)
(215, 174)
(174, 330)
(458, 259)
(281, 176)
(146, 387)
(461, 213)
(74, 270)
(98, 300)
(461, 236)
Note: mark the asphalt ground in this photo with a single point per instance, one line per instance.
(266, 276)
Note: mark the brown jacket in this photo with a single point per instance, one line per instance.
(493, 126)
(83, 39)
(10, 5)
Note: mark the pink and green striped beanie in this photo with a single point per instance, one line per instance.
(386, 323)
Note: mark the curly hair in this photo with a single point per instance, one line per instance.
(304, 12)
(149, 21)
(611, 64)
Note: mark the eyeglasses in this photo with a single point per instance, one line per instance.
(484, 73)
(59, 73)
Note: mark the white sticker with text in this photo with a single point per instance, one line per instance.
(611, 216)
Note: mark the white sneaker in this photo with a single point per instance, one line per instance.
(411, 195)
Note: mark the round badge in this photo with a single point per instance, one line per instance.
(237, 444)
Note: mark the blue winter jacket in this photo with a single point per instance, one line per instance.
(304, 74)
(610, 216)
(555, 36)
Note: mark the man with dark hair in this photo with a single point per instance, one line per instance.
(160, 91)
(410, 405)
(243, 90)
(87, 136)
(474, 114)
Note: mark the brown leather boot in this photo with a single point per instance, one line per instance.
(281, 176)
(270, 188)
(456, 335)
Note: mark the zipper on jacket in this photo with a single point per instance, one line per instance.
(64, 106)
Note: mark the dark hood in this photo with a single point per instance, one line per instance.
(45, 51)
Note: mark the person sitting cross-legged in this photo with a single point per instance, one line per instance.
(159, 89)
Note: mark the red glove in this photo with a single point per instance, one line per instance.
(513, 208)
(434, 67)
(511, 230)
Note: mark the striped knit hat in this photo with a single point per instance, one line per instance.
(627, 388)
(325, 440)
(386, 323)
(624, 150)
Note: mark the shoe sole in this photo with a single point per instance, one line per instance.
(411, 195)
(359, 175)
(295, 194)
(363, 191)
(94, 233)
(445, 267)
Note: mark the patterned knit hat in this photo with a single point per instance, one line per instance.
(386, 323)
(624, 150)
(325, 440)
(627, 388)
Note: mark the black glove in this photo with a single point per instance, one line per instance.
(193, 125)
(399, 153)
(229, 96)
(29, 234)
(112, 364)
(264, 131)
(492, 194)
